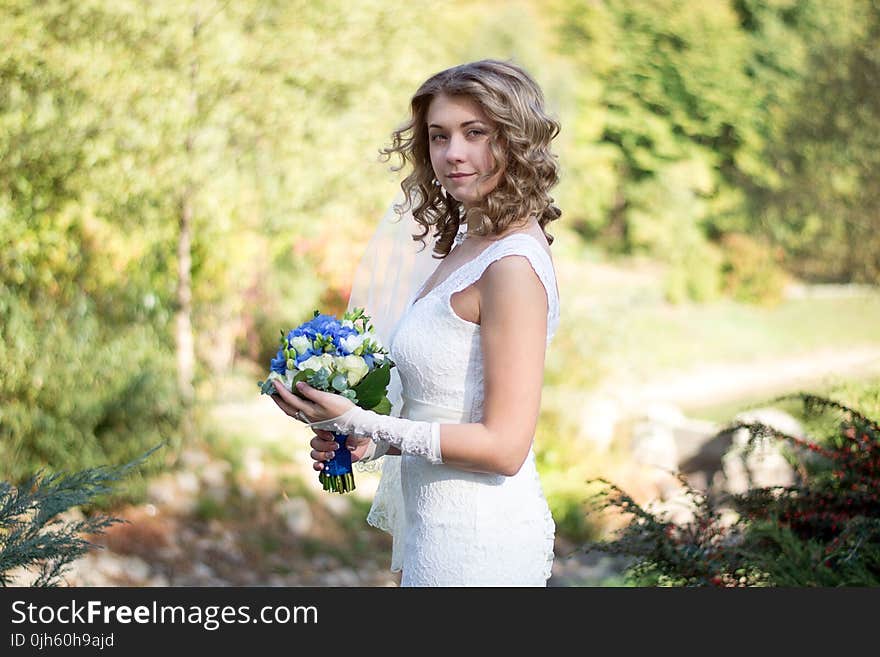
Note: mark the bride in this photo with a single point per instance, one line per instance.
(470, 344)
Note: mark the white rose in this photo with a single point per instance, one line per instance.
(353, 367)
(352, 342)
(301, 344)
(317, 362)
(311, 363)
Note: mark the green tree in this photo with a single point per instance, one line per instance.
(825, 209)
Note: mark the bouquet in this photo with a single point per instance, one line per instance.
(340, 356)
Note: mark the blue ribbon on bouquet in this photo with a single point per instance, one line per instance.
(337, 475)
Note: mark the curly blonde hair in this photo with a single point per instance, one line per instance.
(520, 143)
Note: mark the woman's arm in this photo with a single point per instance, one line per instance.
(513, 333)
(513, 329)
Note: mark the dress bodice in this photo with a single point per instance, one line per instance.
(438, 353)
(458, 527)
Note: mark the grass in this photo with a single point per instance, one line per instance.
(613, 325)
(857, 394)
(727, 331)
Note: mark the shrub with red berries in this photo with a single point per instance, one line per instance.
(824, 530)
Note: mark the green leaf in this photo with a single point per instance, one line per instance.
(303, 375)
(373, 386)
(383, 407)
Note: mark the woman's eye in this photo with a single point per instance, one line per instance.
(436, 137)
(475, 131)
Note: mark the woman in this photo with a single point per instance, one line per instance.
(470, 347)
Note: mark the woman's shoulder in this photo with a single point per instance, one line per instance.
(506, 273)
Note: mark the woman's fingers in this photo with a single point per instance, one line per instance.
(290, 403)
(322, 450)
(322, 444)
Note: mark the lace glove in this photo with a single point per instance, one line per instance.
(375, 450)
(409, 436)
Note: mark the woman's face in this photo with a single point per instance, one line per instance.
(458, 140)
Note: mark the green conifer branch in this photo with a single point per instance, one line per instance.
(33, 535)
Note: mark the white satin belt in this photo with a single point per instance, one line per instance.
(413, 409)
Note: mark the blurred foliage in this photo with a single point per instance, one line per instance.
(822, 207)
(861, 395)
(823, 530)
(751, 116)
(751, 270)
(77, 392)
(727, 139)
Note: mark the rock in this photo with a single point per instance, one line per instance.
(338, 505)
(254, 466)
(703, 448)
(213, 474)
(104, 568)
(678, 509)
(653, 437)
(342, 577)
(599, 418)
(203, 571)
(296, 514)
(762, 465)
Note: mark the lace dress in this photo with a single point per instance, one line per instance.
(459, 528)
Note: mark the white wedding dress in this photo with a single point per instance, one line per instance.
(457, 528)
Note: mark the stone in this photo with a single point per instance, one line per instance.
(297, 515)
(764, 465)
(599, 418)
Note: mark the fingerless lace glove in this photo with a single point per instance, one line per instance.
(376, 449)
(409, 436)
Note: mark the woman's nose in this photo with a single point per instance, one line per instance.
(455, 150)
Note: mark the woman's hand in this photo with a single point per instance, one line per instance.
(324, 447)
(317, 405)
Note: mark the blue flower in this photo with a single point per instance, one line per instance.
(279, 363)
(330, 328)
(306, 355)
(325, 324)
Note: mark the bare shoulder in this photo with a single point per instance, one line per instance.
(514, 266)
(512, 279)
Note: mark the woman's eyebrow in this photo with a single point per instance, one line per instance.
(434, 125)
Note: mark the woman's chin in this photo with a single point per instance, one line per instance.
(467, 200)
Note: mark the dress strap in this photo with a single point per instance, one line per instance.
(515, 244)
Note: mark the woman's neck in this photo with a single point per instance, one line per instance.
(522, 225)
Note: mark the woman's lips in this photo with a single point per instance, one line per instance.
(459, 176)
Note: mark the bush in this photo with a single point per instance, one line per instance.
(77, 391)
(694, 274)
(751, 271)
(822, 531)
